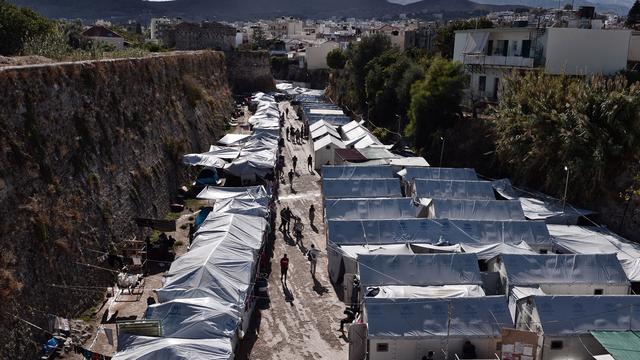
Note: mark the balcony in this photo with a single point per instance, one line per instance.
(495, 60)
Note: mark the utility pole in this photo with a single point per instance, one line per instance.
(441, 150)
(566, 186)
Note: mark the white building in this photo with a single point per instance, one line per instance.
(565, 323)
(489, 54)
(317, 55)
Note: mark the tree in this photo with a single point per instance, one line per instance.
(633, 17)
(336, 59)
(435, 101)
(19, 24)
(445, 36)
(360, 55)
(546, 122)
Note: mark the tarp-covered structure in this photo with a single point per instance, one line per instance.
(489, 251)
(257, 193)
(344, 259)
(469, 317)
(528, 270)
(569, 315)
(422, 292)
(538, 206)
(473, 209)
(411, 173)
(453, 189)
(597, 240)
(357, 172)
(360, 188)
(623, 345)
(371, 208)
(132, 347)
(419, 270)
(437, 232)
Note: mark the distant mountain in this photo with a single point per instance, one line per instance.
(618, 6)
(245, 9)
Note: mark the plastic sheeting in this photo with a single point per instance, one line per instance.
(152, 348)
(437, 173)
(242, 206)
(233, 139)
(453, 189)
(486, 252)
(318, 124)
(199, 318)
(346, 256)
(538, 206)
(429, 318)
(420, 270)
(357, 172)
(220, 193)
(408, 161)
(527, 270)
(422, 292)
(360, 188)
(211, 159)
(598, 240)
(320, 144)
(569, 315)
(325, 130)
(474, 209)
(518, 292)
(441, 231)
(623, 345)
(373, 208)
(220, 263)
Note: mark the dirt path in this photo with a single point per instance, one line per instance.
(303, 317)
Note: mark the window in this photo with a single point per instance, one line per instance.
(526, 48)
(482, 83)
(382, 347)
(556, 344)
(490, 47)
(598, 292)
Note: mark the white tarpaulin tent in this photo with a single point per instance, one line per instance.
(437, 231)
(357, 172)
(486, 252)
(199, 318)
(414, 161)
(155, 348)
(371, 208)
(518, 292)
(233, 139)
(343, 259)
(422, 292)
(597, 240)
(538, 206)
(428, 318)
(324, 150)
(567, 315)
(473, 209)
(320, 123)
(453, 189)
(437, 173)
(528, 270)
(360, 188)
(324, 130)
(246, 192)
(242, 206)
(211, 159)
(419, 270)
(221, 261)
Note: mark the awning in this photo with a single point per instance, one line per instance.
(622, 345)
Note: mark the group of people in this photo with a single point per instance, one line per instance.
(286, 215)
(295, 135)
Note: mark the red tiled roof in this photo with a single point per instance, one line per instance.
(350, 155)
(100, 31)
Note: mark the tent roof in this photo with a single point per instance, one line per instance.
(350, 155)
(422, 292)
(569, 315)
(420, 270)
(199, 318)
(598, 240)
(436, 173)
(409, 161)
(428, 318)
(324, 130)
(350, 126)
(623, 345)
(232, 139)
(353, 172)
(474, 209)
(453, 189)
(219, 193)
(152, 348)
(526, 270)
(486, 252)
(353, 188)
(371, 208)
(318, 124)
(326, 140)
(376, 153)
(440, 231)
(353, 251)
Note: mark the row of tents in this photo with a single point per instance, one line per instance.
(443, 264)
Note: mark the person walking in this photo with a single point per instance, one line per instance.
(310, 163)
(291, 179)
(288, 132)
(312, 255)
(312, 214)
(284, 217)
(294, 162)
(297, 230)
(350, 316)
(286, 112)
(289, 215)
(284, 268)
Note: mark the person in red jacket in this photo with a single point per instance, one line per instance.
(284, 267)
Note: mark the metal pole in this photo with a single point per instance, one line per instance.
(446, 348)
(566, 186)
(441, 150)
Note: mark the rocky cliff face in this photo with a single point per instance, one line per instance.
(250, 71)
(84, 148)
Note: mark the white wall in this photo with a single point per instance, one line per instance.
(323, 155)
(459, 45)
(586, 51)
(317, 55)
(416, 349)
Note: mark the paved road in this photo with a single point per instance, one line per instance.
(303, 317)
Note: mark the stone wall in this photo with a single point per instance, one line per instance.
(250, 71)
(84, 148)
